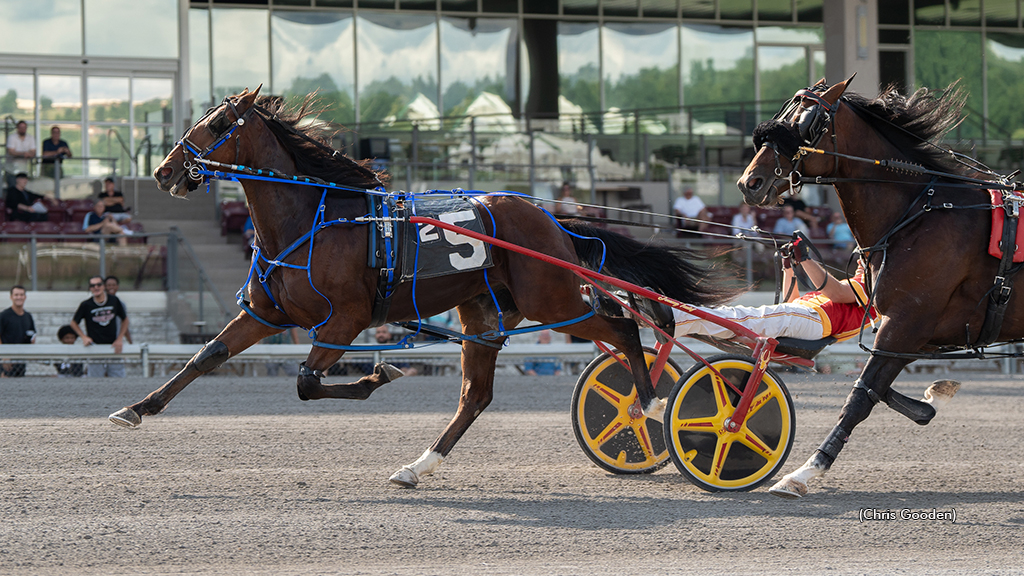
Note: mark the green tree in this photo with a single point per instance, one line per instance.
(9, 102)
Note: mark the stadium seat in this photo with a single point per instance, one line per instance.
(16, 227)
(46, 227)
(232, 216)
(74, 229)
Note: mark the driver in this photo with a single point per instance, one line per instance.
(836, 310)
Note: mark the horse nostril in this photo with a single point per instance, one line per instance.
(165, 172)
(754, 183)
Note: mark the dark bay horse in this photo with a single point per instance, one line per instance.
(923, 232)
(261, 133)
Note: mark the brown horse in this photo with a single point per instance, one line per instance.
(339, 293)
(923, 231)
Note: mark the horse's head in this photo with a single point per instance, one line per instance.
(216, 136)
(804, 121)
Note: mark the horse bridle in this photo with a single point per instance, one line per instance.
(811, 126)
(192, 167)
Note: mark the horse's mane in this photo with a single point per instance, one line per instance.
(286, 122)
(914, 124)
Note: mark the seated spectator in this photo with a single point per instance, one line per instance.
(743, 221)
(67, 335)
(692, 214)
(802, 212)
(25, 205)
(113, 201)
(839, 231)
(543, 366)
(98, 222)
(567, 202)
(54, 149)
(789, 223)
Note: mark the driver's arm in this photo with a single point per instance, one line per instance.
(834, 289)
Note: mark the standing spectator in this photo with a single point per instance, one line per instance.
(689, 208)
(98, 312)
(112, 284)
(21, 146)
(567, 202)
(24, 204)
(113, 202)
(839, 231)
(54, 150)
(545, 366)
(99, 222)
(67, 335)
(16, 327)
(789, 223)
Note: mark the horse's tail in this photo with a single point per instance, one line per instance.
(671, 271)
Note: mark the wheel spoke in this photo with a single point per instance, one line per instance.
(755, 443)
(701, 424)
(640, 431)
(721, 453)
(721, 395)
(760, 401)
(613, 397)
(620, 423)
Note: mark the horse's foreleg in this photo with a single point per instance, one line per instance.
(868, 390)
(238, 335)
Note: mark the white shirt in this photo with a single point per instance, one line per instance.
(689, 207)
(16, 143)
(743, 225)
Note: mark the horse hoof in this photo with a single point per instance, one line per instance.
(405, 478)
(941, 392)
(126, 417)
(789, 489)
(387, 372)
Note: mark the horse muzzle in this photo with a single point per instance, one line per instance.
(760, 190)
(170, 178)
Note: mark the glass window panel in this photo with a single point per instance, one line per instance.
(894, 12)
(60, 98)
(199, 63)
(423, 4)
(892, 69)
(965, 13)
(736, 9)
(620, 7)
(660, 8)
(110, 142)
(1005, 83)
(152, 144)
(718, 64)
(581, 7)
(929, 12)
(384, 4)
(578, 67)
(942, 57)
(335, 3)
(25, 23)
(540, 7)
(1001, 13)
(313, 51)
(818, 70)
(894, 36)
(153, 100)
(641, 68)
(397, 65)
(500, 6)
(17, 97)
(477, 55)
(782, 35)
(698, 8)
(290, 3)
(774, 10)
(458, 5)
(783, 71)
(148, 29)
(809, 10)
(108, 99)
(240, 50)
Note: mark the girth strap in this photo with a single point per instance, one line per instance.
(1002, 287)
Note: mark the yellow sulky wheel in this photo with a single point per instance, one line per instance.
(602, 421)
(708, 455)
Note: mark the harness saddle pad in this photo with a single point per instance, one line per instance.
(998, 218)
(443, 252)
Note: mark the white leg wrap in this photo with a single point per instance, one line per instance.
(656, 409)
(794, 484)
(410, 474)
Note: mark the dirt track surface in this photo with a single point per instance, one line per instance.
(240, 477)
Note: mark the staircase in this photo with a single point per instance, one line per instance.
(197, 219)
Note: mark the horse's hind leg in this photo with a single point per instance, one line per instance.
(238, 335)
(477, 390)
(311, 372)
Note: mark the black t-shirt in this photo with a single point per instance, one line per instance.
(16, 329)
(117, 207)
(49, 146)
(99, 319)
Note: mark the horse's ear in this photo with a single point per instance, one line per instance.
(247, 97)
(833, 93)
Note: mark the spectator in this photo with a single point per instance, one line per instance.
(567, 202)
(743, 221)
(543, 366)
(839, 231)
(789, 223)
(67, 335)
(54, 150)
(248, 236)
(112, 284)
(692, 214)
(289, 336)
(113, 201)
(801, 211)
(21, 146)
(98, 222)
(98, 311)
(16, 327)
(383, 336)
(24, 204)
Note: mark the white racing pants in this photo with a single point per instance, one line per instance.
(789, 320)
